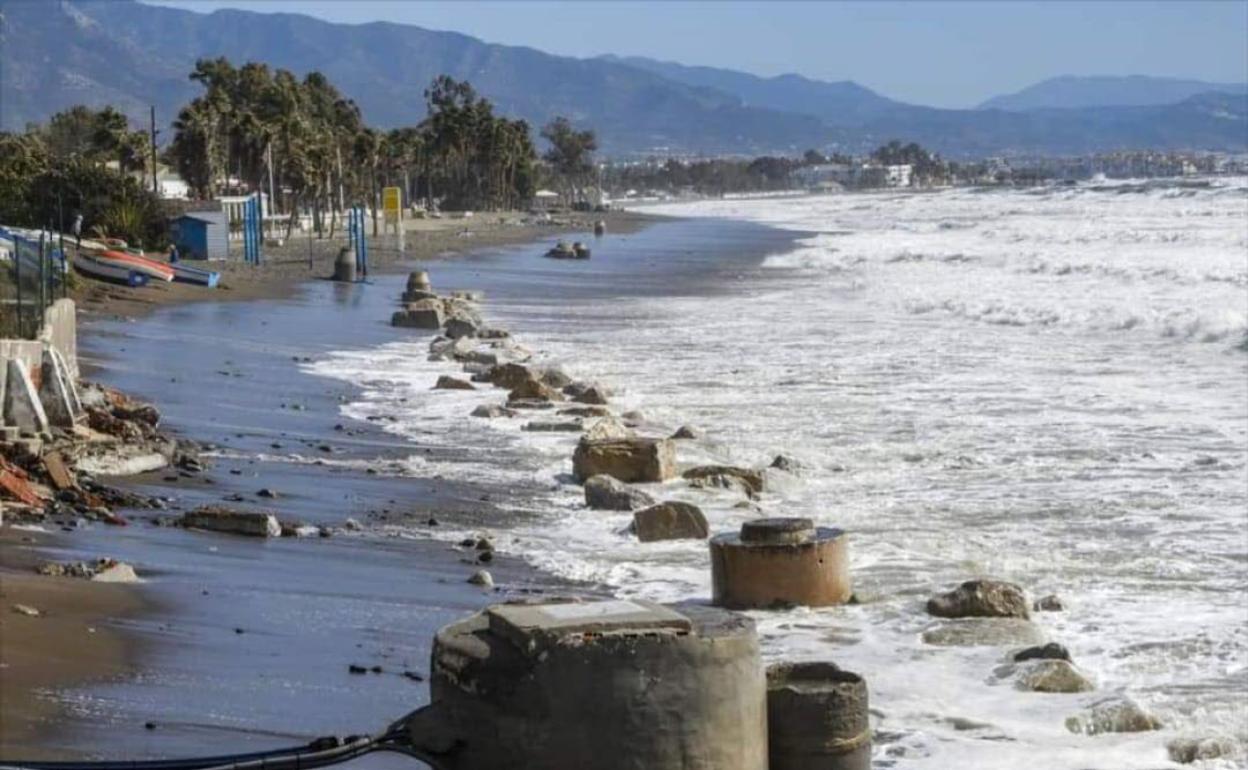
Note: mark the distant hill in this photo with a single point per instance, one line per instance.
(1072, 91)
(56, 53)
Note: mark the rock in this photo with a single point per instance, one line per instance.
(1050, 603)
(483, 357)
(686, 432)
(267, 493)
(786, 464)
(1054, 676)
(633, 459)
(726, 477)
(980, 599)
(219, 519)
(1050, 651)
(586, 411)
(1113, 715)
(27, 610)
(984, 632)
(489, 333)
(670, 521)
(351, 525)
(530, 403)
(491, 411)
(118, 572)
(462, 309)
(554, 377)
(571, 426)
(533, 390)
(446, 382)
(355, 668)
(510, 375)
(1188, 750)
(587, 394)
(605, 428)
(460, 327)
(482, 578)
(606, 493)
(424, 314)
(633, 418)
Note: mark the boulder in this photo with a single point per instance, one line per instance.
(483, 357)
(443, 348)
(533, 390)
(670, 521)
(1054, 676)
(632, 459)
(686, 432)
(555, 377)
(586, 394)
(446, 382)
(117, 572)
(605, 428)
(482, 578)
(570, 426)
(726, 477)
(460, 327)
(1113, 715)
(530, 403)
(1187, 750)
(586, 411)
(1050, 603)
(1050, 651)
(606, 493)
(425, 314)
(510, 375)
(984, 632)
(981, 599)
(492, 411)
(454, 307)
(493, 333)
(220, 519)
(786, 464)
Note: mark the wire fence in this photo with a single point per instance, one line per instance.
(34, 273)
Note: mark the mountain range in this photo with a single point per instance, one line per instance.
(56, 53)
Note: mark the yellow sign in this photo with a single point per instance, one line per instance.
(392, 200)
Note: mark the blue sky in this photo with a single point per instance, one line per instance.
(947, 54)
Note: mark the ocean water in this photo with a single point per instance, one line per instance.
(1046, 386)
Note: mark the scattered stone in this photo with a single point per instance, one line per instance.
(118, 572)
(686, 432)
(492, 411)
(27, 610)
(606, 493)
(267, 493)
(786, 464)
(554, 377)
(488, 333)
(1054, 676)
(530, 403)
(608, 428)
(1050, 651)
(670, 521)
(587, 394)
(533, 390)
(446, 382)
(585, 411)
(572, 426)
(351, 525)
(980, 599)
(1050, 603)
(633, 459)
(220, 519)
(357, 669)
(510, 376)
(485, 557)
(1188, 750)
(984, 632)
(482, 578)
(726, 477)
(1113, 715)
(460, 327)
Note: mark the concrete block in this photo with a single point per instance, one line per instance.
(54, 391)
(22, 407)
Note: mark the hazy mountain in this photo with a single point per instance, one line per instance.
(843, 103)
(56, 53)
(1069, 91)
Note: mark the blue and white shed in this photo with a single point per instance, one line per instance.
(200, 235)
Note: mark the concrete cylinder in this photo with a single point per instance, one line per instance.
(600, 228)
(780, 562)
(418, 280)
(817, 718)
(344, 265)
(610, 685)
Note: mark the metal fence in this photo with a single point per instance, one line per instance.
(34, 273)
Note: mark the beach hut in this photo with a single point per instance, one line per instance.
(200, 234)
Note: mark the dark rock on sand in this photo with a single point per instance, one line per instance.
(981, 599)
(606, 493)
(670, 521)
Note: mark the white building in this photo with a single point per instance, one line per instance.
(172, 187)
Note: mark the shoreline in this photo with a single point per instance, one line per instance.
(118, 612)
